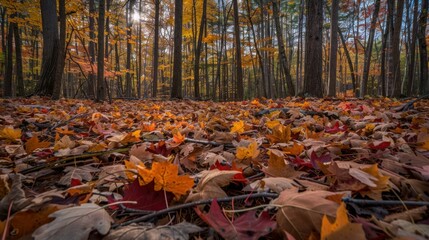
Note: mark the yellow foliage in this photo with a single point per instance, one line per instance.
(237, 127)
(249, 152)
(10, 133)
(342, 228)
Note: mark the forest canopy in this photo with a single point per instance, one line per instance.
(213, 49)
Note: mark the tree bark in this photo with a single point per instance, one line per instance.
(91, 49)
(155, 51)
(101, 86)
(333, 51)
(313, 49)
(128, 77)
(176, 91)
(45, 86)
(424, 81)
(412, 51)
(368, 50)
(239, 73)
(283, 58)
(198, 52)
(396, 57)
(61, 50)
(7, 92)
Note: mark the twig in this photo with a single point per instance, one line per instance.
(192, 204)
(384, 202)
(207, 142)
(60, 124)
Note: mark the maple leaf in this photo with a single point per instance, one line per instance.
(247, 226)
(146, 127)
(34, 143)
(317, 161)
(224, 167)
(237, 127)
(341, 228)
(249, 152)
(379, 145)
(277, 166)
(159, 148)
(272, 124)
(10, 133)
(296, 149)
(145, 196)
(281, 134)
(165, 176)
(336, 128)
(381, 183)
(178, 138)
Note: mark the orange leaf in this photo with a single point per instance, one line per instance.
(178, 137)
(281, 134)
(237, 127)
(341, 228)
(165, 176)
(251, 151)
(33, 144)
(146, 127)
(10, 133)
(296, 149)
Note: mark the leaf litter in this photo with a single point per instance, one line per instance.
(286, 168)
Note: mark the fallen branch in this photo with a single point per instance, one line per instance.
(192, 204)
(383, 202)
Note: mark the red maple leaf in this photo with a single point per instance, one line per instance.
(315, 160)
(145, 196)
(160, 148)
(239, 177)
(336, 128)
(300, 163)
(247, 226)
(379, 146)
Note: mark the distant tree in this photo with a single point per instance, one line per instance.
(91, 49)
(333, 51)
(101, 86)
(424, 75)
(61, 51)
(9, 63)
(368, 50)
(198, 51)
(239, 69)
(155, 51)
(45, 86)
(395, 45)
(18, 60)
(313, 49)
(176, 90)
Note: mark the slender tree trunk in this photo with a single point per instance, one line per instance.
(155, 51)
(349, 59)
(424, 81)
(61, 51)
(18, 61)
(239, 73)
(283, 59)
(368, 50)
(139, 54)
(412, 51)
(101, 86)
(313, 49)
(91, 49)
(176, 91)
(198, 52)
(128, 77)
(9, 63)
(332, 91)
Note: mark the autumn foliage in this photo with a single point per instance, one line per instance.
(287, 168)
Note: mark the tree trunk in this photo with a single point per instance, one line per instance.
(128, 78)
(45, 86)
(176, 91)
(349, 59)
(424, 81)
(239, 73)
(9, 63)
(396, 57)
(198, 53)
(368, 50)
(61, 51)
(313, 49)
(155, 51)
(91, 49)
(101, 86)
(283, 59)
(333, 51)
(412, 51)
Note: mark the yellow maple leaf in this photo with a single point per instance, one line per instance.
(146, 127)
(281, 134)
(34, 143)
(382, 183)
(165, 176)
(272, 124)
(342, 228)
(237, 127)
(296, 149)
(251, 151)
(131, 137)
(10, 133)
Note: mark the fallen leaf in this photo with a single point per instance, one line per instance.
(10, 133)
(75, 223)
(247, 226)
(249, 152)
(341, 228)
(277, 166)
(179, 231)
(165, 175)
(34, 143)
(237, 127)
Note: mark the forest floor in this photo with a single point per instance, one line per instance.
(287, 168)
